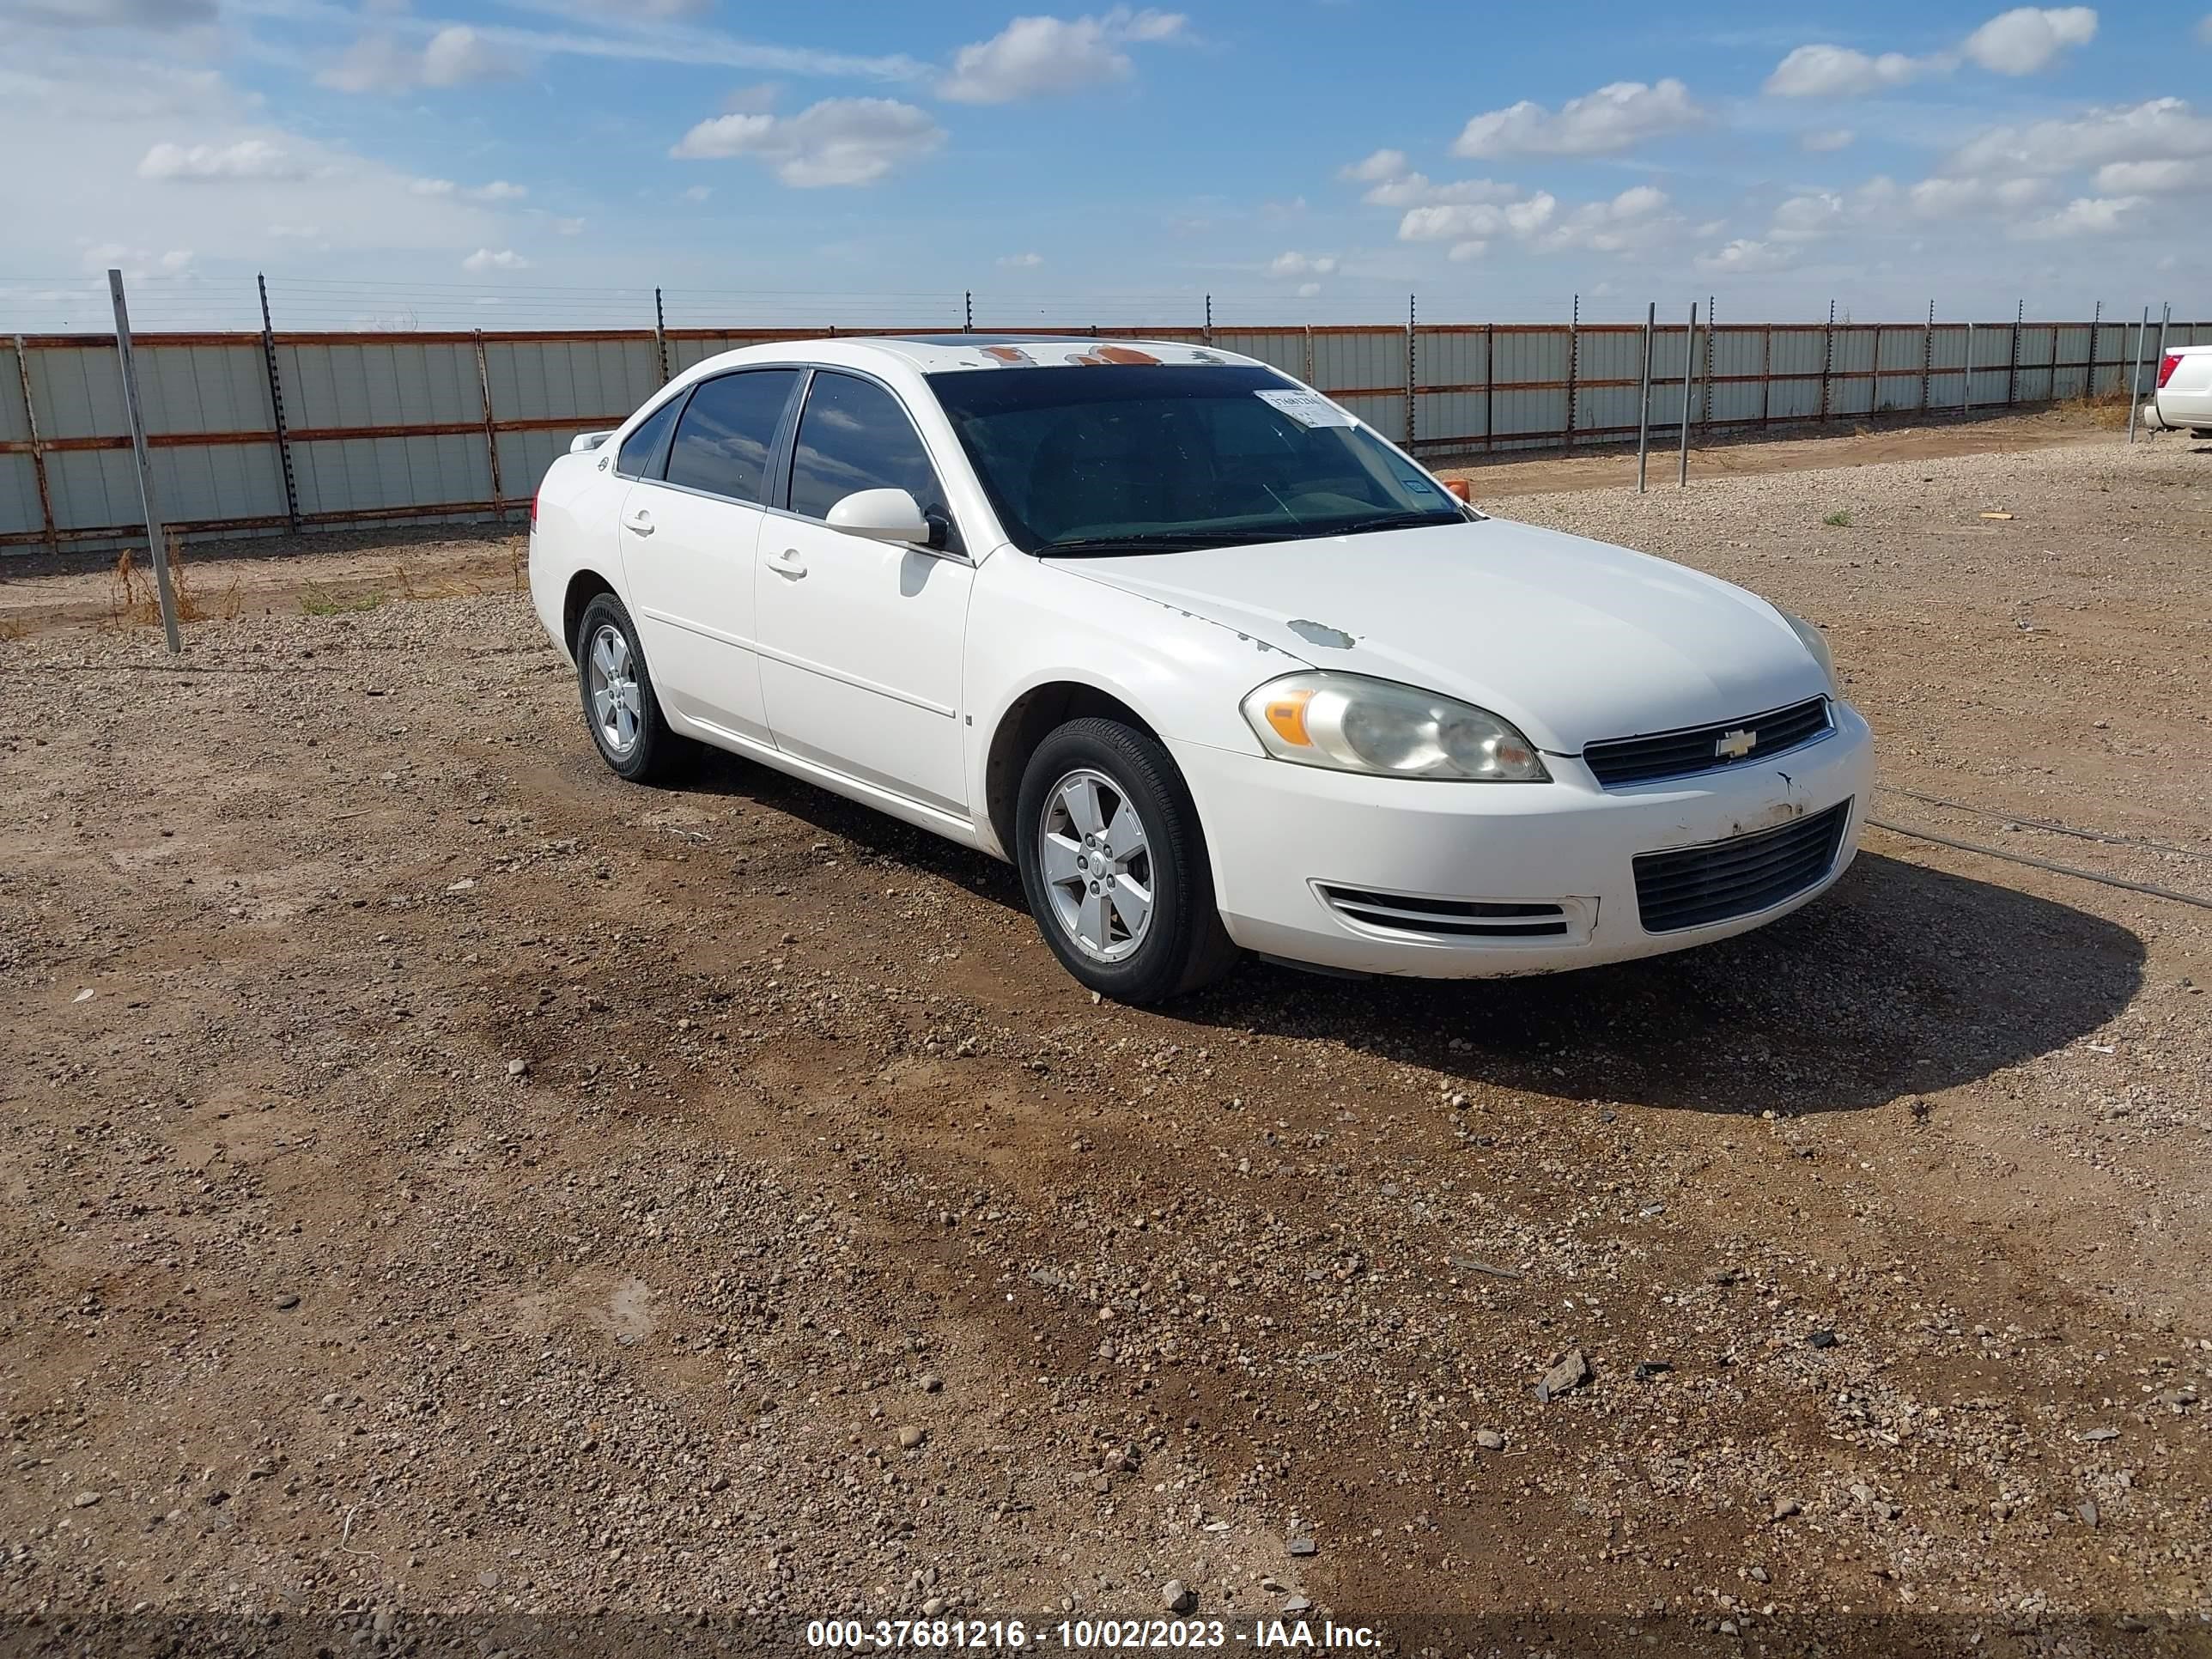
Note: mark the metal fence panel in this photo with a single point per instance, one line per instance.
(373, 475)
(19, 499)
(1738, 403)
(1793, 399)
(375, 383)
(1281, 347)
(587, 381)
(1541, 413)
(1366, 360)
(1799, 351)
(1447, 418)
(1452, 356)
(1895, 392)
(1386, 414)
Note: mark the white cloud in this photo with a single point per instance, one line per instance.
(568, 227)
(1473, 248)
(839, 141)
(1614, 118)
(455, 56)
(2016, 42)
(1382, 165)
(484, 260)
(1035, 56)
(2156, 177)
(698, 193)
(1464, 222)
(2205, 31)
(1828, 139)
(1825, 71)
(499, 190)
(248, 158)
(2085, 216)
(1308, 290)
(2164, 129)
(2028, 38)
(135, 262)
(1295, 263)
(1807, 217)
(1635, 218)
(1021, 261)
(1744, 257)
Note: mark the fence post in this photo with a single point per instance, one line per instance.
(2135, 380)
(1307, 376)
(1966, 380)
(2012, 374)
(1927, 356)
(491, 433)
(1689, 347)
(2089, 379)
(1413, 374)
(1489, 386)
(38, 451)
(1828, 360)
(2164, 317)
(157, 542)
(1643, 408)
(659, 336)
(1767, 378)
(276, 408)
(968, 310)
(1706, 377)
(1208, 332)
(1574, 353)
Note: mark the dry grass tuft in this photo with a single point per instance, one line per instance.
(135, 595)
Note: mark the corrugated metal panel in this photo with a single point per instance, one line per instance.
(1800, 351)
(1387, 414)
(1897, 392)
(1993, 347)
(1899, 348)
(1855, 350)
(1989, 389)
(78, 392)
(1793, 399)
(1851, 396)
(343, 474)
(2036, 347)
(1613, 408)
(19, 496)
(1737, 351)
(1283, 348)
(197, 388)
(1452, 357)
(547, 380)
(1534, 355)
(1736, 400)
(523, 458)
(13, 428)
(1944, 390)
(1528, 414)
(1617, 354)
(93, 487)
(1450, 416)
(1368, 360)
(401, 384)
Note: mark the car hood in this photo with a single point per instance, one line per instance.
(1573, 641)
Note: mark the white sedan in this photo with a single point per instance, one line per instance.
(1215, 665)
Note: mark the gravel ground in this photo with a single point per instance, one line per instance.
(445, 1186)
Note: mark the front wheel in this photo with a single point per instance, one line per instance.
(632, 735)
(1113, 865)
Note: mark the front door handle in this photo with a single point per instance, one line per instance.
(787, 564)
(639, 522)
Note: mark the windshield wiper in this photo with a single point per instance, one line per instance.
(1158, 541)
(1387, 521)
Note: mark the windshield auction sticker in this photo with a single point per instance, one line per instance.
(1306, 408)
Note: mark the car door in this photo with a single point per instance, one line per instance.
(860, 641)
(689, 526)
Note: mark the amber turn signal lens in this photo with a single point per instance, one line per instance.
(1287, 717)
(1459, 488)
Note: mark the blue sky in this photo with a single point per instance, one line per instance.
(512, 163)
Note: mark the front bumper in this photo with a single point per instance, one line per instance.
(1282, 836)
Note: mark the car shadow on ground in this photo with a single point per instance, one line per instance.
(1901, 981)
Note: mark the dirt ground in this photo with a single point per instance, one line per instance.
(449, 1198)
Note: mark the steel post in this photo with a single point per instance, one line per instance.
(157, 542)
(1643, 406)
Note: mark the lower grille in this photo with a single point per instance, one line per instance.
(1411, 914)
(1619, 762)
(1698, 886)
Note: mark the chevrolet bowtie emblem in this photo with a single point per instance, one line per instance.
(1734, 745)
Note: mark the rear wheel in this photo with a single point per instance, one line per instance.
(627, 726)
(1113, 865)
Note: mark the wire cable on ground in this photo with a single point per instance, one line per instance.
(2075, 871)
(2051, 824)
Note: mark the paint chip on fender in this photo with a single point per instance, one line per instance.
(1314, 633)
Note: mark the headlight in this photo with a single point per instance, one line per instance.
(1352, 724)
(1814, 643)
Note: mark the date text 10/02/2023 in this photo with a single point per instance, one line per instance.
(1085, 1635)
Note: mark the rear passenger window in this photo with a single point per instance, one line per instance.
(722, 441)
(641, 451)
(854, 435)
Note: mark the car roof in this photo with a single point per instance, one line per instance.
(931, 353)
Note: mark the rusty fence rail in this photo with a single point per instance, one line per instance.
(274, 431)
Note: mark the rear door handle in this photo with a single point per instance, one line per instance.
(639, 522)
(787, 564)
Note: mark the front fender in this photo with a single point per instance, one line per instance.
(1032, 624)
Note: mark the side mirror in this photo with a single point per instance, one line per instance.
(881, 515)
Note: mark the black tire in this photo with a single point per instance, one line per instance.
(654, 752)
(1182, 944)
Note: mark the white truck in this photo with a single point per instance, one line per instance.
(2184, 397)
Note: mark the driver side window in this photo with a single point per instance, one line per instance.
(852, 435)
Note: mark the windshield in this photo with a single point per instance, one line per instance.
(1137, 457)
